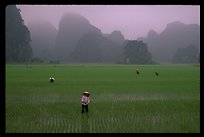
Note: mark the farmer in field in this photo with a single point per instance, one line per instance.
(85, 100)
(137, 71)
(52, 79)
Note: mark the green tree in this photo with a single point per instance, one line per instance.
(136, 52)
(18, 39)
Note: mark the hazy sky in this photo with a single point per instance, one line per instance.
(132, 20)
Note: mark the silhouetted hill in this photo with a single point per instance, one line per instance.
(43, 35)
(17, 36)
(152, 35)
(176, 35)
(72, 27)
(94, 47)
(117, 37)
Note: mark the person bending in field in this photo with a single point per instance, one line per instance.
(157, 74)
(85, 100)
(137, 71)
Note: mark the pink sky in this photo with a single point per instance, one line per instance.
(132, 20)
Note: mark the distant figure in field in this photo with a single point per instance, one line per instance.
(85, 100)
(157, 74)
(52, 79)
(137, 71)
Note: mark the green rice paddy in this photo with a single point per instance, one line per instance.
(121, 100)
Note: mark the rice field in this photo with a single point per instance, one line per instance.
(121, 100)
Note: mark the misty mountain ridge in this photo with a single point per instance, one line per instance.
(116, 36)
(73, 27)
(43, 35)
(96, 48)
(176, 35)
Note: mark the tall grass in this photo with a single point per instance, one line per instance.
(121, 101)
